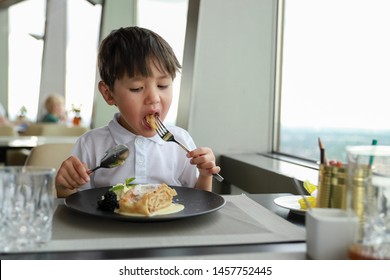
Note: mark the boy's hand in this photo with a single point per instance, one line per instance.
(204, 160)
(71, 175)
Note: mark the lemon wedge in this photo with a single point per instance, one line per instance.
(310, 199)
(309, 187)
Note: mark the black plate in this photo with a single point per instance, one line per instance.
(196, 202)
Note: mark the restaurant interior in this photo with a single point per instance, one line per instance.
(228, 100)
(203, 99)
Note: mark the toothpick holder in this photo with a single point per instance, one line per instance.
(332, 187)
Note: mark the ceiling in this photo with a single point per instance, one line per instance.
(6, 3)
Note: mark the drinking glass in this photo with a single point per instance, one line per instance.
(26, 207)
(369, 196)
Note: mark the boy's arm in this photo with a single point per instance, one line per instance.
(204, 183)
(63, 192)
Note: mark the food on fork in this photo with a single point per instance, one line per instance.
(151, 119)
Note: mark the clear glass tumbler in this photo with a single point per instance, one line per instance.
(368, 180)
(27, 196)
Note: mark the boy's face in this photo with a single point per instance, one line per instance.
(137, 97)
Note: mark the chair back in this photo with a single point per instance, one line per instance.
(63, 130)
(49, 155)
(53, 129)
(6, 130)
(33, 129)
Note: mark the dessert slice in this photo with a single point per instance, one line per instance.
(146, 199)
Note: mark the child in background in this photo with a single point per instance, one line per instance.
(137, 68)
(55, 107)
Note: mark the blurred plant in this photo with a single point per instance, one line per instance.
(22, 112)
(76, 110)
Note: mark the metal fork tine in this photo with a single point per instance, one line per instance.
(161, 125)
(166, 135)
(158, 126)
(160, 130)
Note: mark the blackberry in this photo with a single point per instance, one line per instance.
(109, 202)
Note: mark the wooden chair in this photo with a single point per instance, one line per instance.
(53, 129)
(49, 155)
(6, 130)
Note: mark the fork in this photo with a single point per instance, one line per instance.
(167, 136)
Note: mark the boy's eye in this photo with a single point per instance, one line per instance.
(163, 86)
(136, 89)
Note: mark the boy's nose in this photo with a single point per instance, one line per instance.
(152, 96)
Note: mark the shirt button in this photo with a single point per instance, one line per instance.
(141, 161)
(139, 141)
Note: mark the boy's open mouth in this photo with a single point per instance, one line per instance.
(150, 121)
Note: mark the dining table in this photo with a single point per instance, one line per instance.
(29, 142)
(247, 226)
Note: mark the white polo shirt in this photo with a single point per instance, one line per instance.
(151, 160)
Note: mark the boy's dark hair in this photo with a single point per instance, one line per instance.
(129, 51)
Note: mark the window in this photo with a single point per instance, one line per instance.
(26, 31)
(168, 18)
(82, 46)
(27, 26)
(333, 76)
(26, 44)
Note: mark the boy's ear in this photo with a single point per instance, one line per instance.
(106, 93)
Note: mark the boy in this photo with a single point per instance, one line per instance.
(137, 68)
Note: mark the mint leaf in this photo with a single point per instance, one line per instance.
(117, 188)
(129, 180)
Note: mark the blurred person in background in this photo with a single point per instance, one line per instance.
(55, 107)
